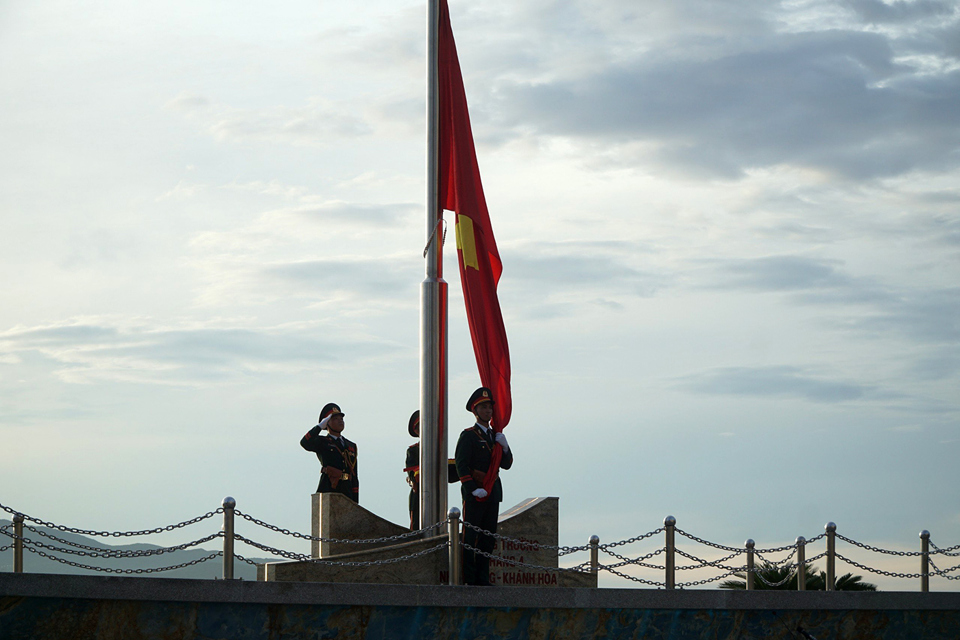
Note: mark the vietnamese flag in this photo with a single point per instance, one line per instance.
(480, 266)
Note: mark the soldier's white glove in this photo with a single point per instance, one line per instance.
(480, 493)
(502, 441)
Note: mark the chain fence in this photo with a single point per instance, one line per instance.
(640, 561)
(115, 554)
(644, 536)
(40, 538)
(287, 532)
(111, 534)
(3, 530)
(40, 549)
(583, 567)
(944, 572)
(280, 553)
(949, 551)
(888, 552)
(99, 552)
(889, 574)
(369, 563)
(701, 563)
(246, 560)
(705, 581)
(530, 544)
(777, 563)
(627, 576)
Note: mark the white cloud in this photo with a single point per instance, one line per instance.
(187, 102)
(776, 381)
(97, 349)
(907, 428)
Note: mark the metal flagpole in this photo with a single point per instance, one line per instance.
(433, 308)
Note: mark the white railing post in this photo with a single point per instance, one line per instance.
(18, 543)
(229, 504)
(831, 529)
(669, 526)
(801, 563)
(594, 555)
(453, 531)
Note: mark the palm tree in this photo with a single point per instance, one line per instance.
(850, 582)
(815, 581)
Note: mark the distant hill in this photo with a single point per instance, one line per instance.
(33, 563)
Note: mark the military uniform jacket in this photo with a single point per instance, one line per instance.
(474, 450)
(332, 454)
(413, 464)
(412, 467)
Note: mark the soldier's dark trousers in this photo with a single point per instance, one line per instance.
(414, 510)
(476, 567)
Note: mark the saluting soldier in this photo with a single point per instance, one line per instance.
(337, 455)
(474, 450)
(412, 468)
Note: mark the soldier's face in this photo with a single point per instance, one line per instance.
(484, 411)
(335, 425)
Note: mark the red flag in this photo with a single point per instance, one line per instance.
(480, 266)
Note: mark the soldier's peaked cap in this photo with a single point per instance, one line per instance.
(479, 396)
(331, 408)
(414, 421)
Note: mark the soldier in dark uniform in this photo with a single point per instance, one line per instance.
(412, 469)
(337, 455)
(474, 448)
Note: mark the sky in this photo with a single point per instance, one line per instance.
(730, 235)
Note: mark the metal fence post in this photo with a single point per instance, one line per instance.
(669, 525)
(18, 543)
(594, 555)
(831, 530)
(924, 561)
(453, 530)
(751, 574)
(801, 563)
(229, 504)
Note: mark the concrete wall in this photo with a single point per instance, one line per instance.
(43, 607)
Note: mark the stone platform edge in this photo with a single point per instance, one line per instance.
(311, 593)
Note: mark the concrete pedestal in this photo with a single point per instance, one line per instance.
(532, 522)
(333, 515)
